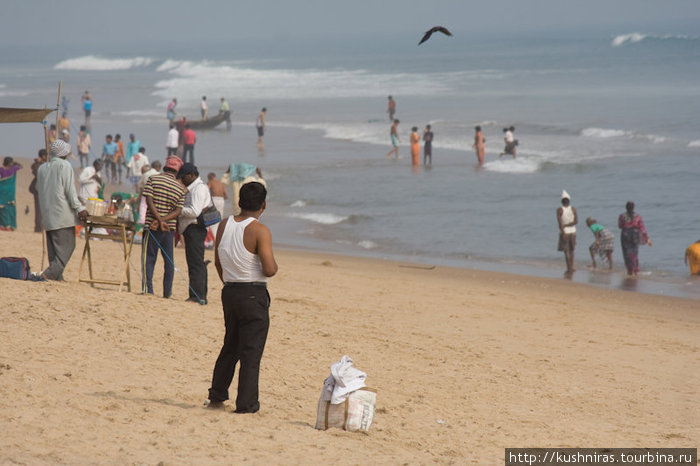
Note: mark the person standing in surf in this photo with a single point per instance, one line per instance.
(632, 234)
(427, 146)
(394, 140)
(479, 145)
(391, 108)
(415, 146)
(567, 218)
(260, 126)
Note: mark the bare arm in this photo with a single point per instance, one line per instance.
(217, 262)
(264, 250)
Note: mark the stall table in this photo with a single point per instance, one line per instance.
(117, 230)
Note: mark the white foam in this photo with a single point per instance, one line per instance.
(603, 133)
(632, 38)
(635, 37)
(240, 82)
(367, 244)
(324, 219)
(95, 63)
(518, 165)
(695, 143)
(299, 203)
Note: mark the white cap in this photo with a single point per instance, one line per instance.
(565, 195)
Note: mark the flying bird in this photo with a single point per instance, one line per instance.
(429, 33)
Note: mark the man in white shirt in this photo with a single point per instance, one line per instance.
(172, 141)
(510, 141)
(137, 162)
(90, 182)
(205, 108)
(59, 205)
(197, 198)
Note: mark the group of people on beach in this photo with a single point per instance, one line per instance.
(170, 204)
(479, 145)
(633, 233)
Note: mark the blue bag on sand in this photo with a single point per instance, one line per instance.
(15, 267)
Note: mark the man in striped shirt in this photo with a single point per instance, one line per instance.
(165, 197)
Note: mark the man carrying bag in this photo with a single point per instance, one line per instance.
(197, 202)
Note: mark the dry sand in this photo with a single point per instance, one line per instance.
(465, 363)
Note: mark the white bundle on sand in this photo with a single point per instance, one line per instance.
(345, 401)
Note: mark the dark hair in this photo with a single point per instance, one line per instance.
(109, 136)
(477, 128)
(629, 207)
(97, 162)
(428, 127)
(415, 128)
(264, 109)
(42, 153)
(82, 128)
(512, 128)
(397, 121)
(118, 137)
(7, 161)
(252, 196)
(142, 150)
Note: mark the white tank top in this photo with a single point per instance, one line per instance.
(567, 216)
(237, 263)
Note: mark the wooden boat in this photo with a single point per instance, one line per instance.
(209, 123)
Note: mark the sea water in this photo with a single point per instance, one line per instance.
(608, 118)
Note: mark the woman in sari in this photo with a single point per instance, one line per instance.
(8, 209)
(633, 233)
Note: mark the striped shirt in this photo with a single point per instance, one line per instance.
(167, 193)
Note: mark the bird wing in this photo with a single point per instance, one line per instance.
(443, 30)
(426, 36)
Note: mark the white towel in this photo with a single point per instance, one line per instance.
(344, 379)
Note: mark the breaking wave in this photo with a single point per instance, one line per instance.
(95, 63)
(636, 37)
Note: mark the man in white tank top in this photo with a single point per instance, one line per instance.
(244, 261)
(567, 219)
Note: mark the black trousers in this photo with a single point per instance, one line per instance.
(247, 317)
(194, 253)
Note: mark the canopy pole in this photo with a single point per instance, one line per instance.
(58, 103)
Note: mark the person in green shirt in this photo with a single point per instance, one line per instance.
(603, 244)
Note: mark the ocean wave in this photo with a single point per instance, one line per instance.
(191, 79)
(519, 165)
(324, 219)
(299, 203)
(695, 143)
(603, 133)
(367, 244)
(13, 93)
(95, 63)
(636, 37)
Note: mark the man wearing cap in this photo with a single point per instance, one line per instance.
(164, 196)
(567, 219)
(197, 198)
(59, 204)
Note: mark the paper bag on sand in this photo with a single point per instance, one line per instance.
(345, 402)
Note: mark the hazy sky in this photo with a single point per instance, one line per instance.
(70, 22)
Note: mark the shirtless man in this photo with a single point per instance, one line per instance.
(391, 108)
(394, 140)
(219, 195)
(260, 125)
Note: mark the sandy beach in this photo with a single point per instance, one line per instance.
(465, 364)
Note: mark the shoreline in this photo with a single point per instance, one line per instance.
(662, 284)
